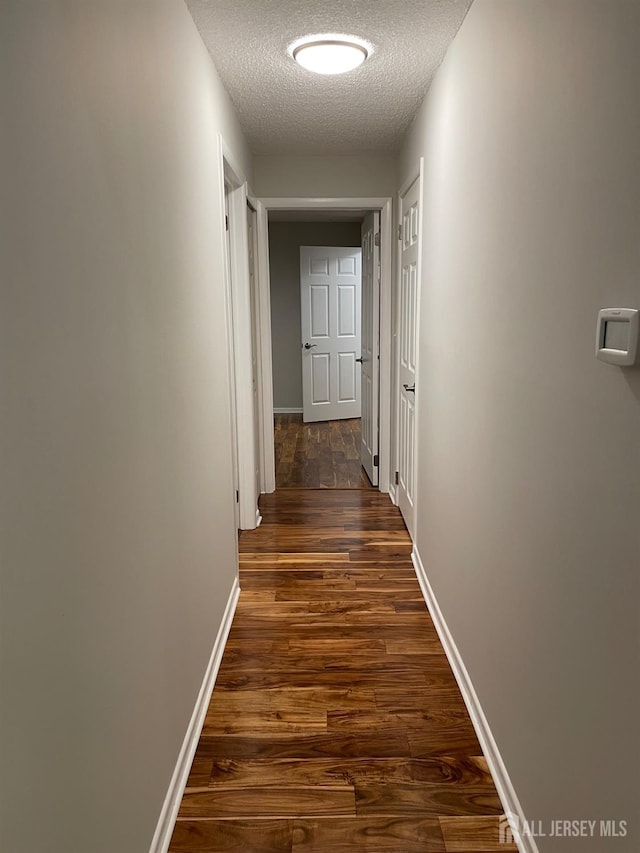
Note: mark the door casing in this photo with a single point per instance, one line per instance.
(370, 348)
(252, 225)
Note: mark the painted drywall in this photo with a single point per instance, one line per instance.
(331, 176)
(117, 524)
(529, 450)
(285, 239)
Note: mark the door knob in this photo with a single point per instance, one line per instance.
(310, 346)
(359, 360)
(411, 388)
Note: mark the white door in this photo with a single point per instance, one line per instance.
(370, 358)
(407, 343)
(330, 285)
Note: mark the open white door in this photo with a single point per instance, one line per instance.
(370, 358)
(330, 290)
(407, 321)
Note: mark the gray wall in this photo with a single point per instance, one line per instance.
(529, 449)
(331, 176)
(116, 510)
(285, 239)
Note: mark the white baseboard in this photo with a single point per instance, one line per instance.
(169, 812)
(286, 411)
(504, 786)
(392, 494)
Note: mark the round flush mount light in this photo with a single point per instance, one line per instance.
(330, 54)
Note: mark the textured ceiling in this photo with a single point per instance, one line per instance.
(284, 108)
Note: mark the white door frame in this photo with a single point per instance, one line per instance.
(263, 343)
(239, 325)
(385, 206)
(252, 233)
(417, 175)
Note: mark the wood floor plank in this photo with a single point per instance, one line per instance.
(308, 560)
(423, 744)
(393, 744)
(414, 647)
(265, 645)
(240, 679)
(260, 720)
(362, 609)
(312, 771)
(200, 772)
(290, 700)
(410, 647)
(277, 631)
(344, 662)
(464, 834)
(268, 801)
(333, 535)
(336, 646)
(300, 614)
(409, 606)
(301, 592)
(467, 769)
(428, 799)
(446, 726)
(336, 723)
(368, 835)
(437, 696)
(232, 836)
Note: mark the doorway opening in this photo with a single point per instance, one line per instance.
(315, 272)
(329, 358)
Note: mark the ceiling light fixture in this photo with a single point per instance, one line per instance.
(329, 54)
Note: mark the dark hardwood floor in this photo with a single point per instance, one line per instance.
(324, 455)
(336, 725)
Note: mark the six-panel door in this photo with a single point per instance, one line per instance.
(330, 290)
(408, 305)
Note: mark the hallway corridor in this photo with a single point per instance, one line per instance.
(336, 724)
